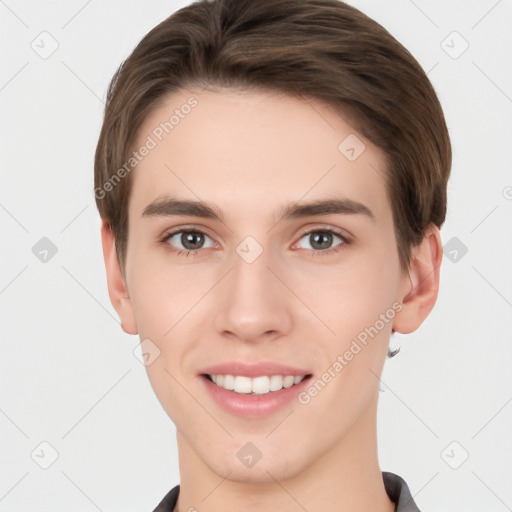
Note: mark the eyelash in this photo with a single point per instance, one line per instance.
(187, 253)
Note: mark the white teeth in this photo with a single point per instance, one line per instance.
(257, 386)
(242, 384)
(228, 382)
(276, 382)
(260, 385)
(288, 381)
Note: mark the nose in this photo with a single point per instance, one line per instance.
(253, 304)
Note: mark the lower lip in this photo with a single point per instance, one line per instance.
(253, 406)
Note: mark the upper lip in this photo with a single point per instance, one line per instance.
(253, 369)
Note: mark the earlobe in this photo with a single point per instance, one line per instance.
(117, 289)
(423, 277)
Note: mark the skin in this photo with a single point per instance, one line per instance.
(252, 154)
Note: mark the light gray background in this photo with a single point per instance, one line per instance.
(69, 376)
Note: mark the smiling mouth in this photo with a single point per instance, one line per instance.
(262, 385)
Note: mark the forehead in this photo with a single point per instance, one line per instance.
(252, 152)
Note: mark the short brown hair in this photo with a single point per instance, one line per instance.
(323, 49)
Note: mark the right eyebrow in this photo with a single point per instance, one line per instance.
(169, 206)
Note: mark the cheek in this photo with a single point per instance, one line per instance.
(167, 302)
(161, 293)
(353, 297)
(171, 391)
(152, 300)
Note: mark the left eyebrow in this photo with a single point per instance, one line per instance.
(326, 207)
(169, 206)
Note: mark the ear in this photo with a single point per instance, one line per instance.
(117, 289)
(420, 287)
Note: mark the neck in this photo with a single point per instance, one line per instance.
(345, 479)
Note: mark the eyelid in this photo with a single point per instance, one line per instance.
(342, 233)
(179, 229)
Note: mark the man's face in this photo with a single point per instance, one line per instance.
(298, 291)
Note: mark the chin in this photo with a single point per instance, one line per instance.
(275, 467)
